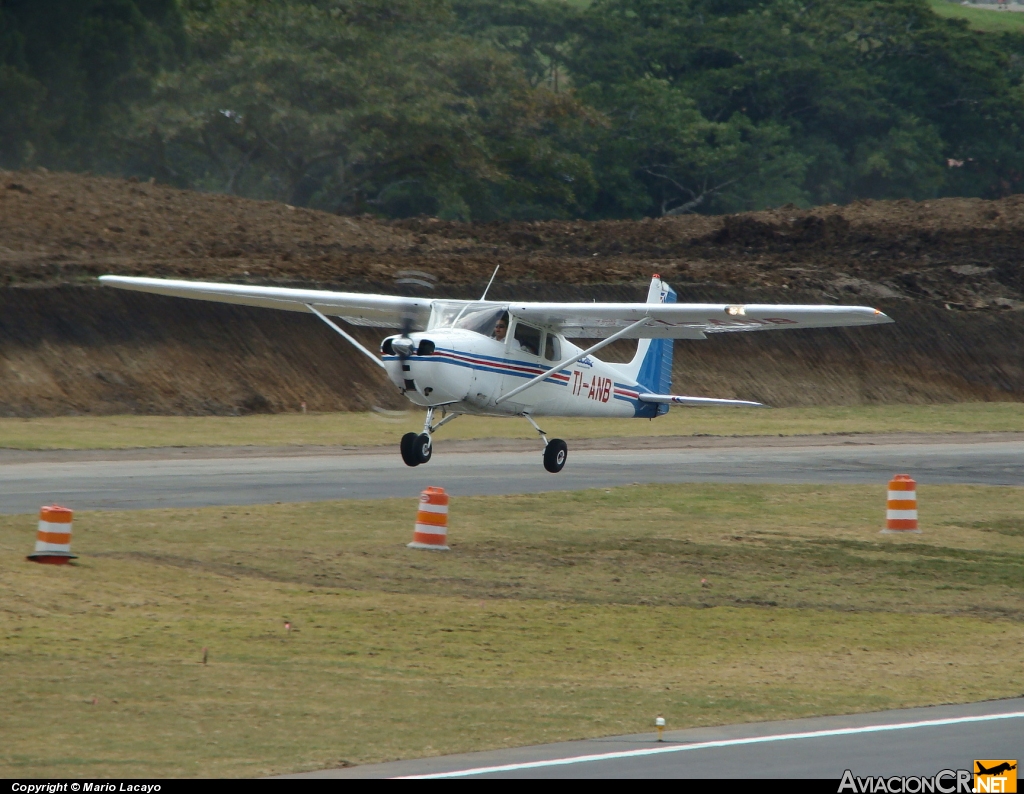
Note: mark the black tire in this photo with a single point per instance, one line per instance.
(555, 454)
(409, 455)
(422, 448)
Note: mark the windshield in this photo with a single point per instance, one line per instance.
(478, 317)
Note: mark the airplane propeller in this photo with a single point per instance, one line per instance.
(403, 345)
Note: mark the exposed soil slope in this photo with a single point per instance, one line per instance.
(947, 270)
(56, 228)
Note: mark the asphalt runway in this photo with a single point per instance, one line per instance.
(121, 484)
(908, 742)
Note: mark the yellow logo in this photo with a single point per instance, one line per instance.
(995, 776)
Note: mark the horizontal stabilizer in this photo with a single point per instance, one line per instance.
(678, 399)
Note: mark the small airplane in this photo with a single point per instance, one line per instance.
(1006, 766)
(503, 358)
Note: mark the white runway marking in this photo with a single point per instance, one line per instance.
(781, 737)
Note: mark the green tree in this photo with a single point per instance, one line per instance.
(537, 32)
(877, 97)
(361, 105)
(69, 70)
(659, 156)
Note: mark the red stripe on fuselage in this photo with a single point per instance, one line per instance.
(504, 365)
(521, 369)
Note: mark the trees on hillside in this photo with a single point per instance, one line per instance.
(868, 98)
(373, 105)
(69, 71)
(481, 109)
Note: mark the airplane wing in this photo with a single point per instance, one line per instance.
(678, 399)
(688, 320)
(382, 311)
(587, 320)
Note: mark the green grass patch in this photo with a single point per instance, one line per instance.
(370, 429)
(1014, 527)
(555, 616)
(986, 20)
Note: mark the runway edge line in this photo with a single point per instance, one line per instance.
(781, 737)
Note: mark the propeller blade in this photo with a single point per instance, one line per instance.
(403, 345)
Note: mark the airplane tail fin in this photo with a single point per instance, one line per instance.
(651, 367)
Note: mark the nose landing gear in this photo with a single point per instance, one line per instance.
(418, 447)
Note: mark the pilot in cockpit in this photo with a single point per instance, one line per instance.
(516, 344)
(501, 328)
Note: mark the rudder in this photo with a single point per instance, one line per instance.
(651, 367)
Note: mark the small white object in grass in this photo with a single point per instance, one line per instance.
(660, 722)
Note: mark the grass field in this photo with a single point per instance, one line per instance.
(370, 429)
(553, 617)
(987, 20)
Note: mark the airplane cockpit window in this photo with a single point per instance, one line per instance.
(479, 318)
(551, 348)
(528, 338)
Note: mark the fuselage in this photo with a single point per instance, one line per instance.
(467, 372)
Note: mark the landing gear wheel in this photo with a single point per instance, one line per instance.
(555, 454)
(422, 448)
(409, 455)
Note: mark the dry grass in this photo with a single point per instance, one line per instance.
(368, 429)
(586, 622)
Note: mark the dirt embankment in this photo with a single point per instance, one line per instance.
(68, 228)
(948, 271)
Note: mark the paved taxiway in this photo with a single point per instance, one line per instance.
(908, 742)
(151, 481)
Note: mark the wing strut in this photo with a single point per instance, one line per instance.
(572, 360)
(347, 336)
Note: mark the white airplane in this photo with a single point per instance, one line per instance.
(515, 359)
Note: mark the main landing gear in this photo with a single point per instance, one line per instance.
(555, 450)
(418, 447)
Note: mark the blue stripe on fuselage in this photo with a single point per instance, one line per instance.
(502, 366)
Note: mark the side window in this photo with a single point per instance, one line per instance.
(528, 338)
(552, 351)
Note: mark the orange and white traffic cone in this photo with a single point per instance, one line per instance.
(431, 530)
(901, 507)
(53, 539)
